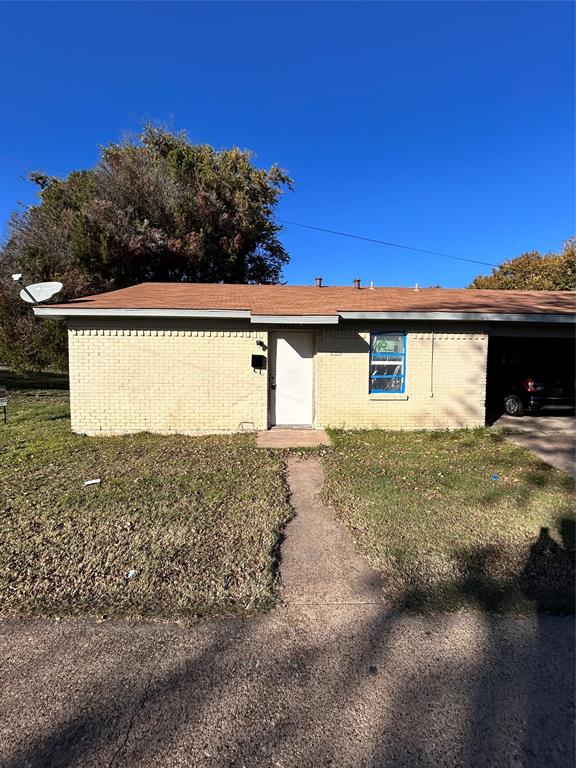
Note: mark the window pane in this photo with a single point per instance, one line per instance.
(386, 368)
(386, 385)
(387, 342)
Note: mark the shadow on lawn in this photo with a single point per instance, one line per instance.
(547, 580)
(373, 688)
(26, 381)
(376, 688)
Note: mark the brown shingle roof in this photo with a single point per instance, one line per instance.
(309, 300)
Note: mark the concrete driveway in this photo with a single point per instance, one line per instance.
(551, 437)
(331, 678)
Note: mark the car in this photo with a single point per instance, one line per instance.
(533, 392)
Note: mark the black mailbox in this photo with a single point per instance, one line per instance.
(259, 362)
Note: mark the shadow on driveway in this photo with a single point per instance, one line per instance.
(341, 687)
(551, 437)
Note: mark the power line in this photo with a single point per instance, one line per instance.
(385, 242)
(3, 158)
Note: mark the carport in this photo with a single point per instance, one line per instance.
(522, 358)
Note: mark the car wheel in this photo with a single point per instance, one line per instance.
(513, 406)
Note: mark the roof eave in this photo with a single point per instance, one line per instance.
(479, 317)
(62, 313)
(294, 319)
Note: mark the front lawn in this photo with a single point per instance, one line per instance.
(456, 519)
(179, 526)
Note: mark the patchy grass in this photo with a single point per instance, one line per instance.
(179, 526)
(425, 511)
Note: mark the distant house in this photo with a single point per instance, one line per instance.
(199, 358)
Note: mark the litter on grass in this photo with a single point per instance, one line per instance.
(131, 573)
(92, 482)
(495, 477)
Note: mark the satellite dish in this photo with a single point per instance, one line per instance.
(39, 292)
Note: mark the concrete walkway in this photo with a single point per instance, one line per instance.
(320, 565)
(333, 678)
(551, 438)
(292, 438)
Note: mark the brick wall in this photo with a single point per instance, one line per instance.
(184, 378)
(445, 381)
(165, 380)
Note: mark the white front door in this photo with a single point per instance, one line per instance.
(291, 378)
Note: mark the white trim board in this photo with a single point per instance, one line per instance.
(492, 317)
(295, 319)
(60, 313)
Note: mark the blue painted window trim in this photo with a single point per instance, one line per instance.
(375, 355)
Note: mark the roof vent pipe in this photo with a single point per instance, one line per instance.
(318, 282)
(357, 283)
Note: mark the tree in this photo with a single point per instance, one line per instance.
(534, 272)
(155, 208)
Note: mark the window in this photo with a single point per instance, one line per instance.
(387, 363)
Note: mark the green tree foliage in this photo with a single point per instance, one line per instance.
(534, 272)
(156, 208)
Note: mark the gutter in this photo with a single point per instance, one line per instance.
(61, 313)
(491, 317)
(295, 319)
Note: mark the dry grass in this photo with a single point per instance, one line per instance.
(178, 527)
(425, 511)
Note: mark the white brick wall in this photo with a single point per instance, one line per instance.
(445, 381)
(165, 380)
(200, 380)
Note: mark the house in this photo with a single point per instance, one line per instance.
(209, 358)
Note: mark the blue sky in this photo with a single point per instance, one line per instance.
(447, 126)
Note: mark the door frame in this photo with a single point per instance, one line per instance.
(272, 336)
